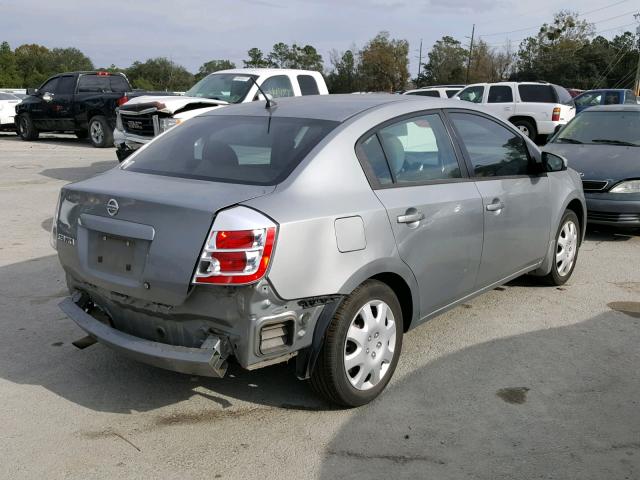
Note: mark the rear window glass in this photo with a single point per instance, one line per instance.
(232, 149)
(308, 85)
(425, 93)
(451, 93)
(102, 83)
(537, 93)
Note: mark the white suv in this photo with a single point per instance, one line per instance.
(438, 91)
(536, 108)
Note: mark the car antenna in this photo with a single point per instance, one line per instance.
(270, 103)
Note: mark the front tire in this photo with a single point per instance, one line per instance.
(100, 133)
(565, 253)
(26, 128)
(361, 346)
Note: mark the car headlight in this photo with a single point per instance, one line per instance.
(167, 123)
(630, 186)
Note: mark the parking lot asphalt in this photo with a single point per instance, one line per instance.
(523, 382)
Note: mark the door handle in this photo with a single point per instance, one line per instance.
(495, 206)
(410, 217)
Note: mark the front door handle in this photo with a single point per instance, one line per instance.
(411, 217)
(495, 206)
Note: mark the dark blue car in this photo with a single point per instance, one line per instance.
(605, 96)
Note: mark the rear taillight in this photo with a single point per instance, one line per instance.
(556, 115)
(122, 100)
(236, 256)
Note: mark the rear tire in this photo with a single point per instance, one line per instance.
(565, 253)
(100, 133)
(371, 343)
(26, 128)
(526, 127)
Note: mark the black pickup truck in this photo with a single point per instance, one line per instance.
(79, 102)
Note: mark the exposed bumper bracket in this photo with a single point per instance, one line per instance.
(208, 361)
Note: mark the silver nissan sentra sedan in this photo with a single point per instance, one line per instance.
(317, 230)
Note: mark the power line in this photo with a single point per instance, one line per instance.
(578, 14)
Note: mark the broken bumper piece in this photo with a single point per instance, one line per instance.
(208, 361)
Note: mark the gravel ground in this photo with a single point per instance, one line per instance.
(523, 382)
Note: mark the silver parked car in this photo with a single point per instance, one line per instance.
(320, 228)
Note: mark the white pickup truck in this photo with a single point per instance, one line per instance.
(536, 108)
(142, 118)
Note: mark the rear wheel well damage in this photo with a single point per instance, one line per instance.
(402, 291)
(306, 358)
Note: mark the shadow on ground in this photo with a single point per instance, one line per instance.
(75, 174)
(604, 233)
(35, 349)
(559, 403)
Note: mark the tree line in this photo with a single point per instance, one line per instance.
(566, 51)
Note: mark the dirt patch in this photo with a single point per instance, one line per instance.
(513, 395)
(191, 418)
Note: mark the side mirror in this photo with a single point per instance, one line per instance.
(553, 163)
(32, 91)
(47, 97)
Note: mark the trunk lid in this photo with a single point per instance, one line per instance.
(140, 235)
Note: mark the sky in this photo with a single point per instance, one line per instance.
(191, 32)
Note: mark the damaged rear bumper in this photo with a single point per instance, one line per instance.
(209, 360)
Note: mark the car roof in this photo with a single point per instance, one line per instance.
(621, 107)
(268, 71)
(606, 90)
(336, 108)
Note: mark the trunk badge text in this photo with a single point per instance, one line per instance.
(68, 240)
(112, 207)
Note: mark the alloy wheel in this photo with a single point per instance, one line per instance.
(97, 134)
(370, 344)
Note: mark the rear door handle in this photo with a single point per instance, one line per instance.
(495, 206)
(411, 217)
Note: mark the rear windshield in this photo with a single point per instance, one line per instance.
(537, 93)
(90, 83)
(232, 149)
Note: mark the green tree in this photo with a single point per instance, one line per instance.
(281, 56)
(256, 59)
(69, 60)
(385, 63)
(9, 76)
(344, 76)
(213, 66)
(159, 74)
(447, 63)
(554, 54)
(34, 64)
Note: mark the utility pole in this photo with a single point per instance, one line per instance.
(419, 61)
(636, 85)
(473, 31)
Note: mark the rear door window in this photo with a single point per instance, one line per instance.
(66, 85)
(630, 97)
(537, 93)
(472, 94)
(451, 93)
(232, 149)
(93, 84)
(278, 86)
(612, 98)
(494, 150)
(308, 85)
(500, 94)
